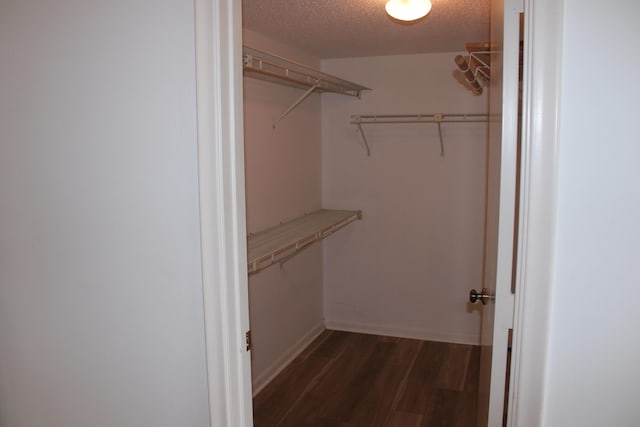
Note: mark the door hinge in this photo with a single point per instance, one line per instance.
(247, 337)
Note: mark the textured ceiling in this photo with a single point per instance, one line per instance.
(351, 28)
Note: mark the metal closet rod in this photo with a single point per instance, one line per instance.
(437, 118)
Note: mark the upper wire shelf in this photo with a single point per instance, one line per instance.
(273, 68)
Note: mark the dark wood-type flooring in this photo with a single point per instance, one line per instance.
(349, 379)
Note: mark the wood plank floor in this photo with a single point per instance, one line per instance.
(349, 379)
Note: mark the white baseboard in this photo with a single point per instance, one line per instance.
(402, 332)
(261, 380)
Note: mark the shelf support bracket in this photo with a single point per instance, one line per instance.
(441, 141)
(295, 104)
(286, 259)
(364, 138)
(438, 119)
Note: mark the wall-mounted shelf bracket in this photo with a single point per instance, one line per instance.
(364, 138)
(295, 104)
(438, 119)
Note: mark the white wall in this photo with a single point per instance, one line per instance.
(101, 319)
(407, 268)
(594, 347)
(282, 182)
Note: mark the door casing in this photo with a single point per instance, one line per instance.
(220, 142)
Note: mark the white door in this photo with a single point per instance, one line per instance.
(497, 314)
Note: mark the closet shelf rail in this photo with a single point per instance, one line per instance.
(437, 119)
(280, 243)
(266, 66)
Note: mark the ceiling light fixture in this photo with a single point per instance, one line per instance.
(408, 10)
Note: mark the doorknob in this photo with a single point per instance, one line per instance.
(483, 296)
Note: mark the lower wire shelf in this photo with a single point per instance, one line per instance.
(278, 244)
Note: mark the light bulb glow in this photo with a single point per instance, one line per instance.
(408, 10)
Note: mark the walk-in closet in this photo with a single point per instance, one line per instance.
(367, 178)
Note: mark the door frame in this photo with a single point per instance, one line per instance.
(218, 46)
(537, 221)
(218, 35)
